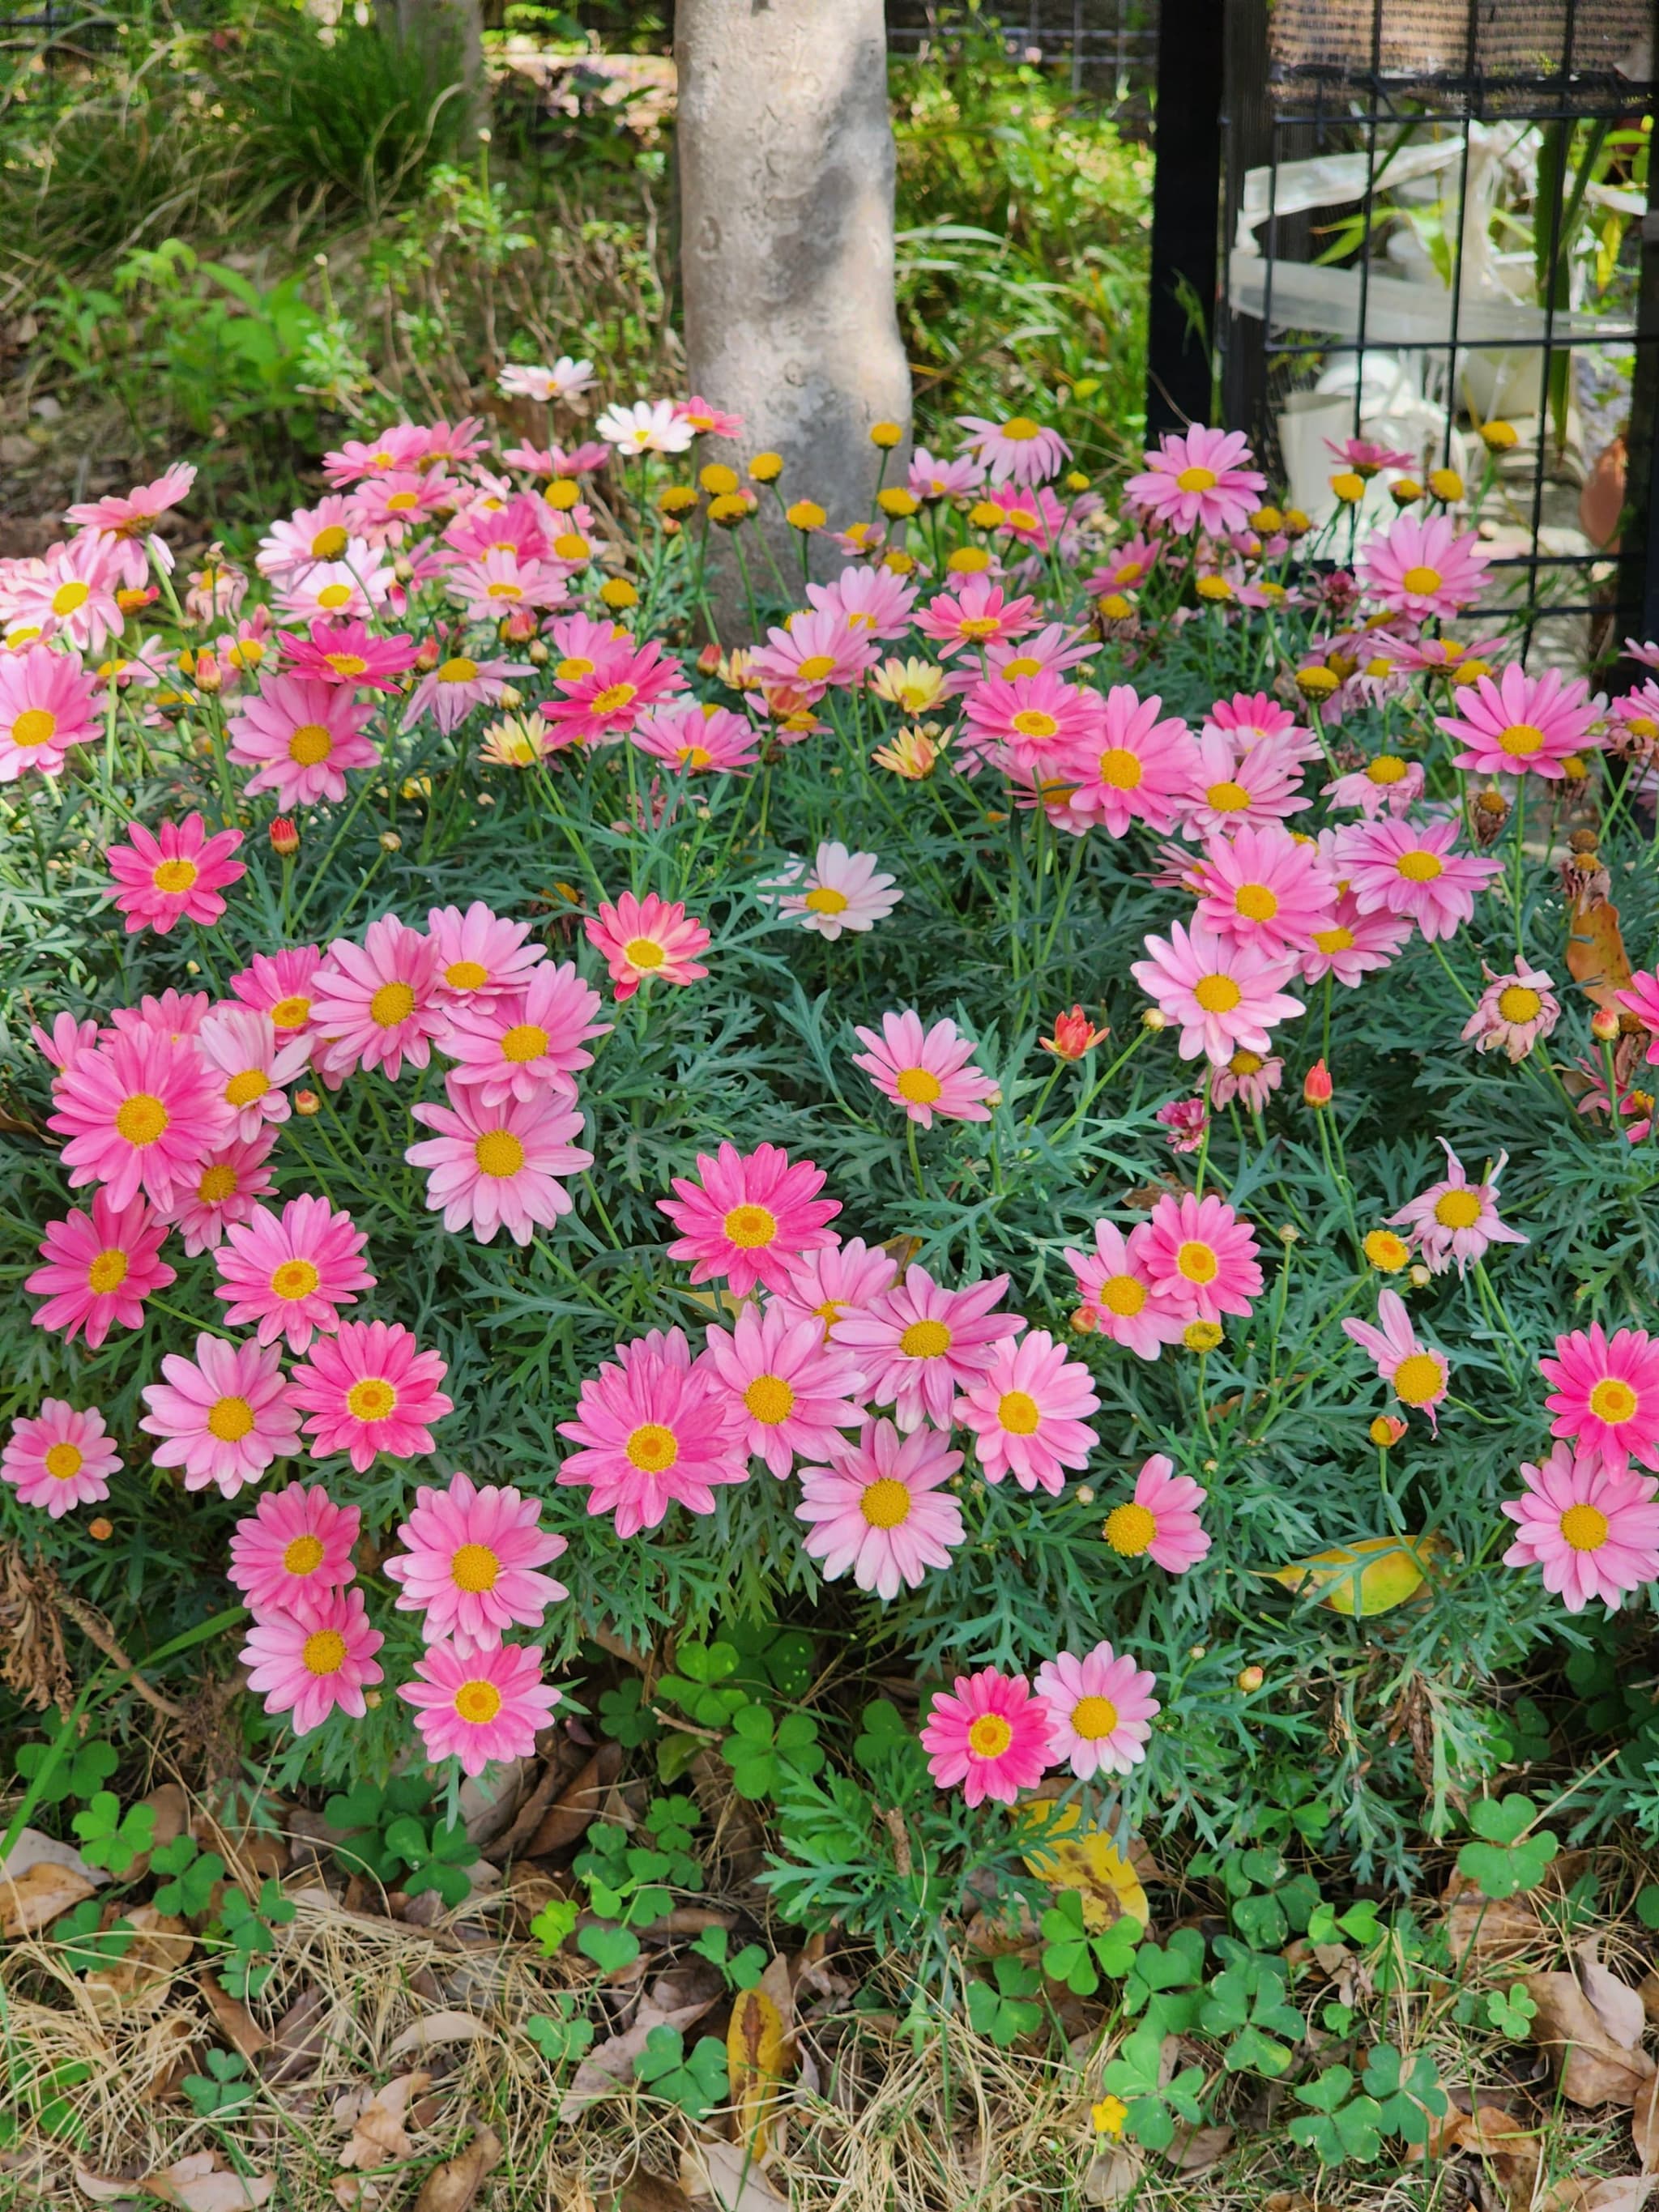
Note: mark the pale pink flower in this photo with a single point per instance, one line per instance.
(222, 1416)
(301, 735)
(456, 686)
(1410, 868)
(1018, 451)
(175, 877)
(1101, 1710)
(840, 891)
(1265, 886)
(648, 426)
(316, 1655)
(990, 1735)
(920, 1343)
(498, 1167)
(565, 379)
(528, 1041)
(1029, 1414)
(972, 615)
(469, 1561)
(926, 1071)
(60, 1457)
(1454, 1220)
(653, 1431)
(1387, 784)
(482, 955)
(1249, 716)
(880, 1509)
(815, 653)
(140, 1112)
(1417, 1373)
(1135, 767)
(1200, 1258)
(1224, 992)
(1246, 1076)
(1514, 1012)
(1115, 1286)
(1593, 1528)
(174, 1015)
(1606, 1393)
(1423, 567)
(376, 1004)
(73, 593)
(646, 939)
(871, 600)
(100, 1268)
(1198, 480)
(791, 1388)
(359, 583)
(480, 1705)
(1228, 788)
(295, 1544)
(931, 479)
(127, 521)
(46, 705)
(699, 738)
(1350, 944)
(835, 1279)
(239, 1049)
(229, 1183)
(310, 536)
(369, 1390)
(1160, 1521)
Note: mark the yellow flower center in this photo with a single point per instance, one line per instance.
(769, 1399)
(478, 1702)
(1612, 1400)
(643, 952)
(244, 1089)
(474, 1567)
(1386, 769)
(1130, 1528)
(1032, 722)
(572, 671)
(1255, 902)
(346, 664)
(614, 698)
(329, 545)
(468, 976)
(140, 1119)
(652, 1447)
(1457, 1209)
(524, 1041)
(825, 899)
(1018, 1413)
(303, 1555)
(499, 1153)
(1421, 580)
(1418, 1379)
(230, 1419)
(989, 1736)
(1093, 1718)
(392, 1003)
(1020, 429)
(504, 592)
(925, 1340)
(1216, 995)
(1197, 1261)
(918, 1086)
(372, 1399)
(324, 1652)
(310, 743)
(174, 878)
(1339, 940)
(1122, 1295)
(1585, 1528)
(750, 1227)
(885, 1504)
(333, 595)
(34, 726)
(1121, 769)
(695, 756)
(1417, 866)
(62, 1462)
(69, 596)
(1387, 1251)
(294, 1279)
(107, 1272)
(1520, 740)
(1196, 478)
(460, 670)
(1025, 665)
(1246, 1063)
(1516, 1003)
(1227, 797)
(291, 1013)
(977, 626)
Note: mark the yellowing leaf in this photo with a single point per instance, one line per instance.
(1076, 1855)
(1596, 954)
(901, 1250)
(757, 2058)
(1370, 1576)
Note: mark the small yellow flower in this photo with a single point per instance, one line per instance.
(1315, 681)
(1387, 1252)
(617, 593)
(730, 508)
(1202, 1336)
(1216, 588)
(898, 562)
(676, 499)
(886, 434)
(716, 477)
(1115, 608)
(1574, 767)
(1499, 437)
(563, 494)
(806, 514)
(1446, 484)
(1348, 486)
(968, 561)
(1108, 2116)
(1267, 519)
(1405, 491)
(766, 468)
(913, 754)
(572, 546)
(913, 686)
(1297, 523)
(514, 742)
(1076, 481)
(986, 514)
(897, 502)
(1471, 671)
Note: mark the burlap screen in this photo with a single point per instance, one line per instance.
(1496, 41)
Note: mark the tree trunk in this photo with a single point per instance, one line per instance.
(450, 33)
(786, 158)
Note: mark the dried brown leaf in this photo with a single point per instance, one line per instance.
(34, 1899)
(1592, 2069)
(236, 2023)
(758, 2057)
(1114, 2175)
(609, 2065)
(379, 2137)
(1509, 2154)
(1498, 1928)
(1618, 2007)
(578, 1805)
(436, 2027)
(200, 2184)
(1198, 2148)
(140, 1977)
(452, 2187)
(721, 2173)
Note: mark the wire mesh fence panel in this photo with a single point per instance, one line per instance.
(1108, 48)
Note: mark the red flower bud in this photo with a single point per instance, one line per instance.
(1316, 1085)
(284, 837)
(1604, 1025)
(1074, 1035)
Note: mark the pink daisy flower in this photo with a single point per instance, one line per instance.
(128, 520)
(1417, 1373)
(301, 735)
(977, 612)
(1160, 1522)
(749, 1216)
(481, 955)
(991, 1736)
(281, 984)
(1249, 716)
(73, 590)
(1249, 1077)
(295, 1544)
(46, 705)
(240, 1050)
(1387, 784)
(1606, 1393)
(99, 1269)
(1423, 567)
(1593, 1529)
(814, 654)
(358, 583)
(653, 1431)
(1641, 1000)
(456, 686)
(1456, 1219)
(1018, 451)
(349, 653)
(837, 1278)
(1201, 1257)
(65, 1040)
(1034, 721)
(1266, 887)
(1224, 993)
(874, 600)
(175, 1014)
(370, 1389)
(140, 1112)
(926, 1071)
(920, 1343)
(791, 1389)
(229, 1183)
(1522, 724)
(1410, 868)
(1198, 480)
(291, 1274)
(1350, 944)
(480, 1706)
(527, 1043)
(222, 1416)
(1028, 1414)
(1115, 1286)
(175, 877)
(1101, 1710)
(1228, 788)
(498, 1167)
(699, 739)
(840, 891)
(375, 1005)
(315, 1656)
(469, 1563)
(1135, 766)
(645, 938)
(880, 1509)
(930, 478)
(60, 1457)
(1514, 1012)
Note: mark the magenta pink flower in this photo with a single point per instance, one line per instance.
(1643, 1000)
(349, 654)
(291, 1274)
(46, 705)
(60, 1457)
(926, 1071)
(479, 1706)
(1521, 723)
(229, 1183)
(469, 1562)
(1160, 1522)
(1350, 944)
(1417, 1373)
(1249, 716)
(920, 1343)
(240, 1050)
(1265, 887)
(1593, 1528)
(1516, 1009)
(370, 1389)
(1018, 451)
(699, 739)
(301, 735)
(1034, 721)
(608, 701)
(1229, 787)
(1607, 1394)
(99, 1269)
(1201, 1257)
(1134, 766)
(140, 1112)
(176, 1014)
(1186, 1121)
(1456, 1219)
(973, 615)
(1029, 1414)
(1101, 1710)
(498, 1167)
(791, 1389)
(1223, 991)
(991, 1736)
(295, 1544)
(281, 984)
(222, 1416)
(645, 939)
(1200, 480)
(654, 1431)
(880, 1509)
(482, 956)
(1115, 1283)
(174, 876)
(837, 1278)
(128, 520)
(527, 1041)
(317, 1655)
(65, 1040)
(749, 1216)
(375, 1005)
(1410, 868)
(1423, 567)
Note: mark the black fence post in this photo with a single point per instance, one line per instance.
(1638, 556)
(1186, 194)
(1247, 121)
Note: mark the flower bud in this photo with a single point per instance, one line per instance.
(1086, 1493)
(208, 676)
(1405, 491)
(1154, 1017)
(1419, 1277)
(426, 656)
(307, 1102)
(1386, 1431)
(886, 436)
(1316, 1085)
(1446, 484)
(1076, 481)
(1083, 1320)
(806, 514)
(284, 837)
(617, 594)
(716, 478)
(1348, 485)
(390, 841)
(100, 1530)
(563, 494)
(709, 660)
(1250, 1679)
(766, 468)
(537, 654)
(1315, 681)
(1499, 437)
(893, 500)
(1604, 1025)
(1267, 520)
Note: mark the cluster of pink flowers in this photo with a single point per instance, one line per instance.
(995, 1734)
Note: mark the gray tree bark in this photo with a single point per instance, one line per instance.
(451, 34)
(786, 155)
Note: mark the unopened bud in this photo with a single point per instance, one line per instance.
(1604, 1025)
(1419, 1277)
(1154, 1017)
(537, 654)
(1083, 1320)
(1316, 1085)
(209, 675)
(1386, 1431)
(1250, 1679)
(284, 837)
(1348, 485)
(390, 841)
(307, 1102)
(885, 434)
(427, 655)
(100, 1530)
(1086, 1493)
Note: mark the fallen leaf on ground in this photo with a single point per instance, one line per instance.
(757, 2055)
(200, 2184)
(1621, 2193)
(438, 2027)
(452, 2187)
(379, 2137)
(1645, 2126)
(32, 1900)
(577, 1807)
(721, 2173)
(103, 2188)
(236, 2023)
(610, 2065)
(32, 1849)
(1593, 2069)
(1508, 2152)
(1596, 954)
(1198, 2148)
(1114, 2175)
(145, 1973)
(1076, 1855)
(1618, 2007)
(1372, 1576)
(1501, 1928)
